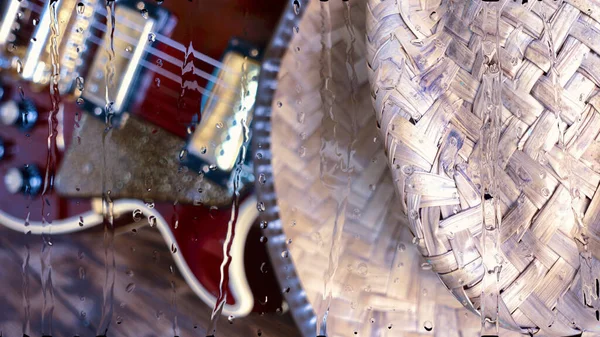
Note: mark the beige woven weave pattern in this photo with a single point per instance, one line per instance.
(425, 69)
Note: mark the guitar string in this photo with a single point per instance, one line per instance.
(155, 52)
(159, 37)
(165, 73)
(176, 45)
(163, 56)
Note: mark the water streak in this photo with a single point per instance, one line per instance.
(45, 254)
(231, 225)
(570, 180)
(489, 108)
(26, 302)
(174, 307)
(188, 83)
(335, 156)
(107, 203)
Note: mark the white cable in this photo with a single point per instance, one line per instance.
(238, 282)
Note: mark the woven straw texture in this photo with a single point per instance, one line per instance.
(426, 69)
(380, 288)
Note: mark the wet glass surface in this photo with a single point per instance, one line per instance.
(299, 168)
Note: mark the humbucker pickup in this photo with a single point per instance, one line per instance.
(77, 39)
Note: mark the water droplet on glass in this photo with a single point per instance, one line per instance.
(301, 117)
(230, 319)
(426, 266)
(401, 247)
(80, 8)
(260, 206)
(285, 254)
(182, 154)
(130, 287)
(279, 104)
(35, 22)
(262, 268)
(296, 7)
(262, 179)
(137, 215)
(416, 241)
(19, 66)
(151, 37)
(159, 62)
(144, 13)
(129, 273)
(302, 152)
(80, 101)
(152, 221)
(82, 273)
(157, 82)
(173, 248)
(79, 82)
(259, 332)
(362, 269)
(545, 192)
(428, 326)
(213, 211)
(263, 224)
(219, 125)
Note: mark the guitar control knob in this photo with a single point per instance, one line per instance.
(26, 180)
(21, 114)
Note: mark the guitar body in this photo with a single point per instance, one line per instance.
(127, 161)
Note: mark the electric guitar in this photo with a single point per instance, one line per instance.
(130, 113)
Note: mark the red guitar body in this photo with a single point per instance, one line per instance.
(196, 234)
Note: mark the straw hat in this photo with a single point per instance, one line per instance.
(441, 103)
(326, 212)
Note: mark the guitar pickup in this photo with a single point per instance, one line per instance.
(97, 62)
(119, 53)
(32, 30)
(216, 144)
